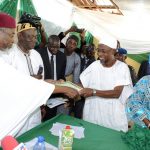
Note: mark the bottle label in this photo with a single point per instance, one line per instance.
(67, 138)
(21, 146)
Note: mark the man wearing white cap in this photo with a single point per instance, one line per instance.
(107, 85)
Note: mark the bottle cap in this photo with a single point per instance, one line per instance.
(41, 139)
(68, 127)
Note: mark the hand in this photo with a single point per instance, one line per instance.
(86, 92)
(54, 81)
(43, 112)
(73, 29)
(71, 93)
(147, 122)
(50, 81)
(39, 76)
(82, 34)
(59, 81)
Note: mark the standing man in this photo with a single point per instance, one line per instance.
(73, 59)
(22, 56)
(29, 62)
(54, 68)
(121, 55)
(107, 85)
(18, 91)
(87, 56)
(53, 59)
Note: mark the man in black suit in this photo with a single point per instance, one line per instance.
(54, 66)
(59, 58)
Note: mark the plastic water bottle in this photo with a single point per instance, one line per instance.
(40, 144)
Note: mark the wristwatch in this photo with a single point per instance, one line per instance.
(94, 92)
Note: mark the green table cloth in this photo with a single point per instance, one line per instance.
(96, 137)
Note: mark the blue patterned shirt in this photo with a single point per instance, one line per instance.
(138, 105)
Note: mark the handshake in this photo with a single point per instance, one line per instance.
(75, 91)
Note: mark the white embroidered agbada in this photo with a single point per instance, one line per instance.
(108, 112)
(17, 59)
(20, 96)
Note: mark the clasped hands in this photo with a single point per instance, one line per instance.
(72, 93)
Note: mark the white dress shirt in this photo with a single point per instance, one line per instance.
(54, 58)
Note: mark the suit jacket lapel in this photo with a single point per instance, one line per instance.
(57, 64)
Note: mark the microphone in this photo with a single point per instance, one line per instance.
(10, 143)
(40, 70)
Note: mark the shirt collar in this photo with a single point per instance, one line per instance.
(29, 53)
(50, 54)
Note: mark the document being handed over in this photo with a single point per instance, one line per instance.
(70, 84)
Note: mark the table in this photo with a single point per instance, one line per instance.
(96, 137)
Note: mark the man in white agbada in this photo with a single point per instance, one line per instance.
(28, 61)
(107, 85)
(20, 95)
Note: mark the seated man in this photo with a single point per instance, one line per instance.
(138, 104)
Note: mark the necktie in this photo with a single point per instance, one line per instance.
(52, 67)
(29, 64)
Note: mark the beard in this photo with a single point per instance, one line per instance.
(6, 47)
(102, 60)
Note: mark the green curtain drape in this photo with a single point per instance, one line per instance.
(9, 7)
(27, 6)
(139, 57)
(88, 38)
